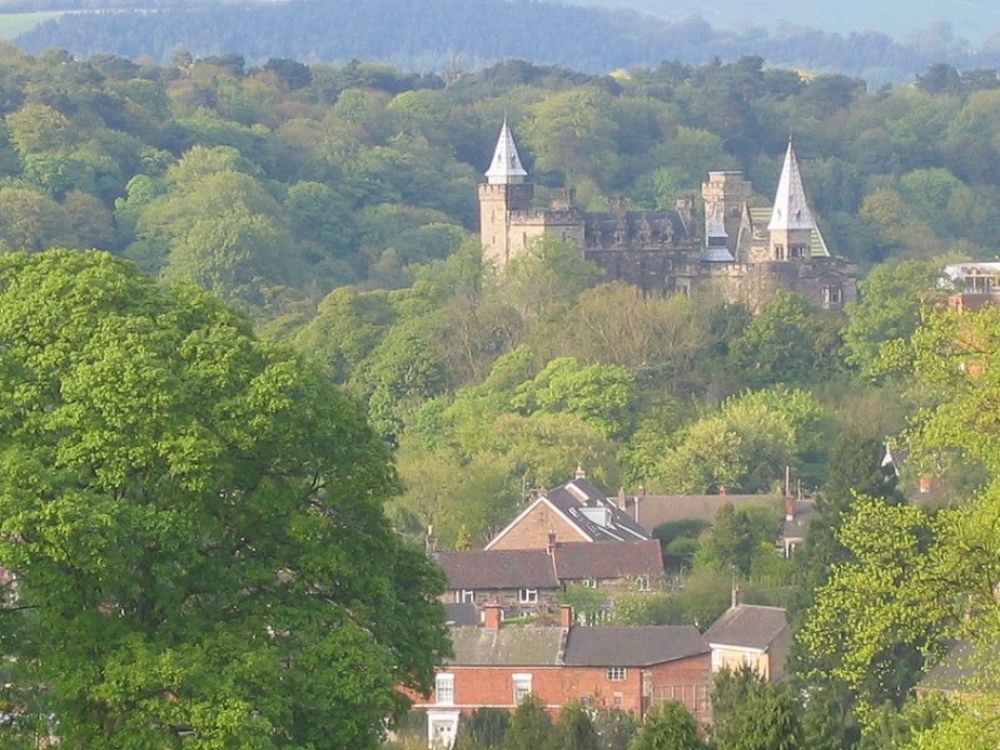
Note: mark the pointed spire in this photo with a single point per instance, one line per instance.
(790, 208)
(506, 167)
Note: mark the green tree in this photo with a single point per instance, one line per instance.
(195, 520)
(893, 297)
(751, 714)
(668, 726)
(574, 730)
(530, 726)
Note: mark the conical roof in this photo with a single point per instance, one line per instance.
(506, 167)
(790, 208)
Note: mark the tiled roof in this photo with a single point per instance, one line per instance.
(655, 510)
(608, 560)
(514, 646)
(633, 647)
(461, 614)
(571, 499)
(799, 525)
(589, 510)
(748, 626)
(498, 569)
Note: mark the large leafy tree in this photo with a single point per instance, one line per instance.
(195, 521)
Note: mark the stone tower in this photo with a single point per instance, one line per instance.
(725, 194)
(791, 227)
(505, 200)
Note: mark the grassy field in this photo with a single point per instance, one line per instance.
(12, 24)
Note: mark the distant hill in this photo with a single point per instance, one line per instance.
(972, 19)
(434, 34)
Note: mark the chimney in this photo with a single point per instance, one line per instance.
(789, 508)
(551, 547)
(737, 596)
(723, 490)
(579, 473)
(622, 501)
(430, 543)
(494, 616)
(925, 485)
(565, 617)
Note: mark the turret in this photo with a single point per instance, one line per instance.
(791, 227)
(506, 192)
(716, 239)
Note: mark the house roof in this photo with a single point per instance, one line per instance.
(633, 647)
(608, 560)
(461, 614)
(498, 569)
(515, 646)
(588, 510)
(748, 626)
(798, 526)
(655, 510)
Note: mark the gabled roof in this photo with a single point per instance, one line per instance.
(748, 626)
(506, 167)
(608, 560)
(498, 569)
(633, 647)
(790, 208)
(515, 646)
(579, 503)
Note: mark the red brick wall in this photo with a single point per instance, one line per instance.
(532, 532)
(686, 680)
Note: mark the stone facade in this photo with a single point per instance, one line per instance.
(742, 254)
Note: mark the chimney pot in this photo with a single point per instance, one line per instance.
(789, 508)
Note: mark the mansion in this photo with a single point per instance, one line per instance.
(740, 253)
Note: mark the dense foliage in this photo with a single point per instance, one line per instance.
(194, 519)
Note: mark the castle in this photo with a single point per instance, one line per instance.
(743, 254)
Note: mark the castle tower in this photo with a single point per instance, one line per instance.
(504, 197)
(716, 238)
(726, 192)
(792, 226)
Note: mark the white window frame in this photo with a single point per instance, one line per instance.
(642, 583)
(717, 659)
(522, 687)
(589, 583)
(444, 689)
(468, 596)
(527, 596)
(616, 674)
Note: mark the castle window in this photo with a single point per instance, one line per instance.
(833, 296)
(779, 252)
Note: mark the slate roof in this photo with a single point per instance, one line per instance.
(633, 647)
(571, 501)
(461, 614)
(498, 569)
(571, 497)
(608, 560)
(506, 166)
(799, 525)
(791, 210)
(748, 626)
(492, 570)
(516, 646)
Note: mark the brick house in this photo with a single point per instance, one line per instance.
(748, 635)
(628, 668)
(574, 512)
(528, 581)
